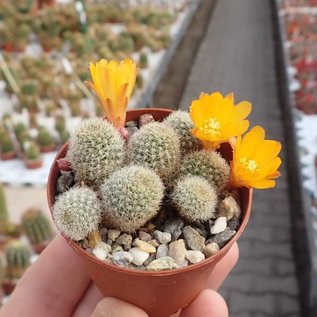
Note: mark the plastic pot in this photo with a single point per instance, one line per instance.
(158, 293)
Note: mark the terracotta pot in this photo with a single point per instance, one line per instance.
(8, 286)
(8, 156)
(158, 293)
(33, 164)
(47, 149)
(8, 47)
(39, 247)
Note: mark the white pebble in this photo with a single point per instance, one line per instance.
(139, 256)
(194, 256)
(219, 226)
(144, 246)
(101, 250)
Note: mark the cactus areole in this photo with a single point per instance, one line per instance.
(155, 288)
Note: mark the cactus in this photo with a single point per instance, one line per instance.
(17, 258)
(131, 197)
(32, 151)
(208, 164)
(36, 226)
(96, 150)
(183, 125)
(2, 269)
(29, 87)
(77, 213)
(64, 136)
(60, 123)
(156, 146)
(20, 130)
(143, 60)
(7, 145)
(4, 214)
(45, 138)
(195, 199)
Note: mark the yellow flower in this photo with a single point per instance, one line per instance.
(113, 82)
(217, 119)
(255, 160)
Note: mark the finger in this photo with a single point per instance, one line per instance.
(52, 286)
(88, 302)
(223, 268)
(112, 307)
(208, 304)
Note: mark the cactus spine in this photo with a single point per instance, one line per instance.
(18, 259)
(131, 197)
(36, 226)
(194, 198)
(77, 213)
(155, 146)
(96, 150)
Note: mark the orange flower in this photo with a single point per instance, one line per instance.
(255, 160)
(217, 119)
(113, 82)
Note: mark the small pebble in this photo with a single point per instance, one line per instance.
(132, 130)
(131, 124)
(229, 208)
(193, 239)
(103, 231)
(125, 240)
(144, 236)
(139, 256)
(116, 248)
(211, 249)
(194, 256)
(163, 237)
(94, 238)
(64, 182)
(174, 226)
(145, 119)
(113, 234)
(219, 226)
(222, 238)
(101, 250)
(177, 251)
(151, 258)
(144, 246)
(122, 258)
(154, 242)
(184, 263)
(162, 251)
(234, 223)
(161, 264)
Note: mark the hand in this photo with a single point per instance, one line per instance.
(57, 285)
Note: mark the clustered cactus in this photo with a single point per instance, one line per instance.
(123, 185)
(36, 226)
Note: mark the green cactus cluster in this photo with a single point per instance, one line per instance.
(195, 199)
(96, 150)
(131, 197)
(36, 226)
(18, 257)
(155, 146)
(128, 182)
(77, 212)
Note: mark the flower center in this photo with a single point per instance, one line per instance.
(250, 165)
(210, 126)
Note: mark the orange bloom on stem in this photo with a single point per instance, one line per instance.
(113, 83)
(255, 160)
(217, 119)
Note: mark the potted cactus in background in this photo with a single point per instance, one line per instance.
(17, 256)
(7, 150)
(160, 196)
(22, 34)
(32, 155)
(29, 95)
(45, 140)
(37, 228)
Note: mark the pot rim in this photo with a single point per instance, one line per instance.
(216, 257)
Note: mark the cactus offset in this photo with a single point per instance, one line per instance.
(156, 146)
(36, 226)
(77, 213)
(195, 199)
(183, 125)
(131, 197)
(96, 150)
(208, 164)
(18, 259)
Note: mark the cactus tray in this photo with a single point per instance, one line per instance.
(153, 291)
